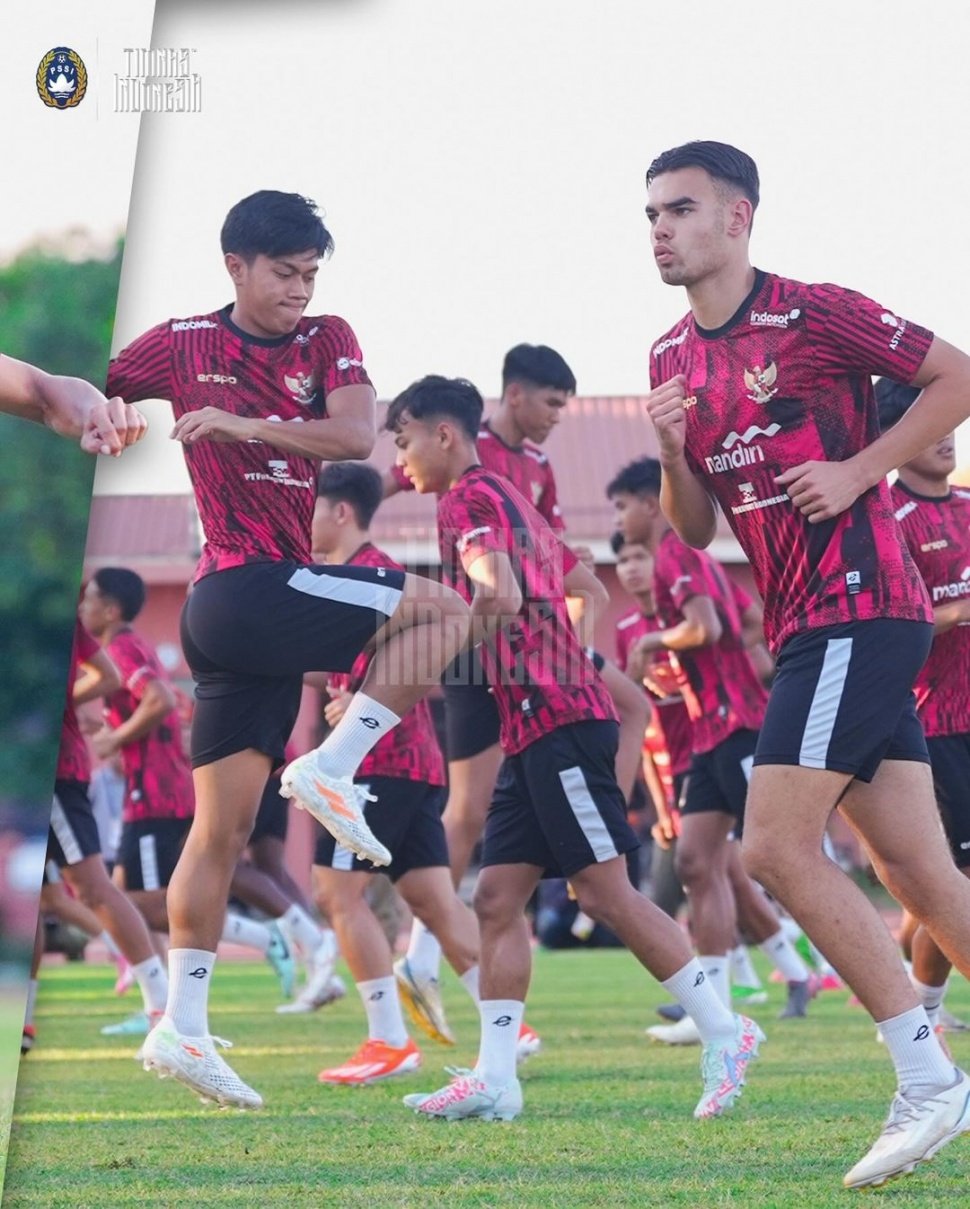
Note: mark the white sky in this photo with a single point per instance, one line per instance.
(66, 168)
(481, 168)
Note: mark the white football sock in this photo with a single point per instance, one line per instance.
(382, 1004)
(189, 976)
(784, 957)
(424, 952)
(915, 1050)
(152, 982)
(696, 994)
(242, 931)
(717, 967)
(364, 723)
(501, 1021)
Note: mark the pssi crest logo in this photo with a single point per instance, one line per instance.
(62, 78)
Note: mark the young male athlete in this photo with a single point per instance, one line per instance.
(406, 772)
(537, 384)
(262, 393)
(557, 809)
(935, 519)
(762, 400)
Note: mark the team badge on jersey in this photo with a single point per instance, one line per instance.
(761, 382)
(62, 78)
(301, 386)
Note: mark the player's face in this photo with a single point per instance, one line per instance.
(538, 409)
(634, 568)
(272, 293)
(94, 610)
(325, 531)
(938, 461)
(687, 226)
(634, 515)
(421, 454)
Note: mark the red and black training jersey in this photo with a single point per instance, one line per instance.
(672, 719)
(255, 501)
(787, 380)
(411, 749)
(937, 531)
(525, 466)
(73, 760)
(540, 675)
(158, 777)
(722, 691)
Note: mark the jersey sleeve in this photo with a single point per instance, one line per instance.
(852, 333)
(143, 370)
(548, 505)
(472, 522)
(343, 362)
(136, 673)
(682, 573)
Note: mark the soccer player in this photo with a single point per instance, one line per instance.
(406, 772)
(262, 393)
(935, 520)
(537, 384)
(70, 407)
(557, 809)
(762, 400)
(703, 636)
(73, 843)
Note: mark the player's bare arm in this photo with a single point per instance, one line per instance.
(683, 497)
(157, 702)
(99, 677)
(347, 434)
(953, 613)
(71, 407)
(699, 627)
(823, 490)
(581, 584)
(498, 596)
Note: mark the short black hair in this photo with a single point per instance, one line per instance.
(618, 541)
(641, 477)
(720, 161)
(538, 365)
(126, 588)
(894, 399)
(353, 483)
(434, 395)
(270, 223)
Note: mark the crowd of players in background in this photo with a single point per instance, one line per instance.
(545, 763)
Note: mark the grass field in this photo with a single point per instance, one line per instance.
(607, 1120)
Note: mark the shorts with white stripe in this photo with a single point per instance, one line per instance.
(950, 759)
(718, 779)
(73, 834)
(249, 633)
(149, 851)
(557, 804)
(842, 698)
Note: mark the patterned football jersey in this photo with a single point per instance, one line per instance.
(255, 502)
(158, 777)
(721, 690)
(787, 380)
(540, 675)
(411, 749)
(525, 466)
(937, 531)
(672, 719)
(73, 760)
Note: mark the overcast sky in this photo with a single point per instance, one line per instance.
(481, 168)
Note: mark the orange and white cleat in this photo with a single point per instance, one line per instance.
(529, 1043)
(374, 1062)
(335, 802)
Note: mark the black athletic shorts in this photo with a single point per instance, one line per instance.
(73, 832)
(718, 779)
(249, 633)
(842, 698)
(406, 818)
(273, 814)
(149, 851)
(471, 715)
(557, 804)
(950, 761)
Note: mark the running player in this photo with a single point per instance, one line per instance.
(761, 399)
(557, 809)
(702, 634)
(935, 520)
(537, 384)
(262, 393)
(70, 407)
(407, 773)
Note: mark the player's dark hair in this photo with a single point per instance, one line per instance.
(617, 541)
(720, 161)
(353, 483)
(126, 588)
(538, 365)
(270, 223)
(435, 397)
(894, 399)
(641, 477)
